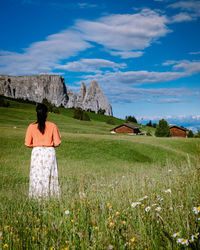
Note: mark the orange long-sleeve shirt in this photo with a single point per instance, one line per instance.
(50, 138)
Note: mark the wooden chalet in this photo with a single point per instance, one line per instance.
(177, 131)
(127, 128)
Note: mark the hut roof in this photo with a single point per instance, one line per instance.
(129, 125)
(175, 126)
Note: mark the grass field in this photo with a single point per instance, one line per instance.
(118, 191)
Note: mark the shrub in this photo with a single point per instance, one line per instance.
(162, 129)
(110, 121)
(101, 111)
(190, 134)
(80, 114)
(3, 103)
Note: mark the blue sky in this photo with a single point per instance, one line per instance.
(145, 55)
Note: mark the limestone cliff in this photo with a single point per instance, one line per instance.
(90, 99)
(52, 87)
(35, 88)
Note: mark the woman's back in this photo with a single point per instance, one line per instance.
(50, 138)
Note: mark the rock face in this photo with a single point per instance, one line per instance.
(92, 99)
(52, 87)
(35, 88)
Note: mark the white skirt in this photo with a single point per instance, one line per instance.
(43, 173)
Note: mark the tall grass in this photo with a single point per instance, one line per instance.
(118, 192)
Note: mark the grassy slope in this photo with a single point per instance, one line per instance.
(117, 169)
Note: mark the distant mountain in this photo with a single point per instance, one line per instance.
(53, 88)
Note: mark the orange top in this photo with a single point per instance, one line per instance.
(50, 138)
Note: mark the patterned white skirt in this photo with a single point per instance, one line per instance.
(43, 173)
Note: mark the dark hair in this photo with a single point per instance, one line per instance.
(41, 110)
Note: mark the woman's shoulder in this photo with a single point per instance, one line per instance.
(50, 124)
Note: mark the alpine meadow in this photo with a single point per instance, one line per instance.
(118, 191)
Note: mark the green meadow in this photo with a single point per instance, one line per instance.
(118, 191)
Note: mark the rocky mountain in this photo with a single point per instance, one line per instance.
(35, 88)
(52, 87)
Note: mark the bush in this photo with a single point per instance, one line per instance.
(85, 116)
(110, 121)
(50, 107)
(3, 103)
(101, 111)
(162, 129)
(80, 114)
(190, 134)
(198, 134)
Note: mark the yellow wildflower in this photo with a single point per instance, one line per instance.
(38, 220)
(111, 224)
(5, 246)
(117, 213)
(132, 240)
(109, 205)
(7, 227)
(33, 238)
(124, 222)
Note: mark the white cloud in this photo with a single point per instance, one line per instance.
(91, 65)
(135, 78)
(125, 32)
(126, 54)
(191, 8)
(43, 56)
(180, 17)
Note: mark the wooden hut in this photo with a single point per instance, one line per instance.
(177, 131)
(127, 128)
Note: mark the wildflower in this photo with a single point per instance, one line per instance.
(147, 209)
(169, 170)
(196, 210)
(183, 241)
(66, 212)
(109, 205)
(134, 204)
(111, 224)
(38, 220)
(153, 205)
(158, 209)
(5, 246)
(176, 234)
(96, 228)
(199, 218)
(124, 222)
(132, 240)
(168, 191)
(33, 238)
(7, 227)
(82, 195)
(145, 197)
(110, 247)
(72, 221)
(117, 213)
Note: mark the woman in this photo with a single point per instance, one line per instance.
(43, 136)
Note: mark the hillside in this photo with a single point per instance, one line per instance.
(101, 176)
